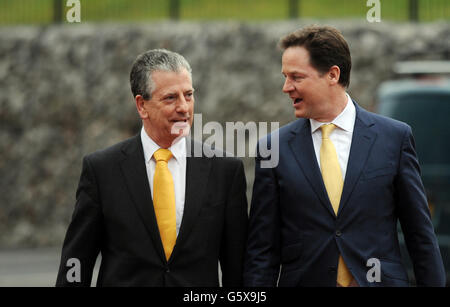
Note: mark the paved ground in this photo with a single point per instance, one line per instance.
(31, 267)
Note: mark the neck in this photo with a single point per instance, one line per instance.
(337, 104)
(158, 140)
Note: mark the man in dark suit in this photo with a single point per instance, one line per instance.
(327, 212)
(158, 215)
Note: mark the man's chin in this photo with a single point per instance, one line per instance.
(299, 114)
(180, 129)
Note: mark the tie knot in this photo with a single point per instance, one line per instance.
(162, 155)
(326, 130)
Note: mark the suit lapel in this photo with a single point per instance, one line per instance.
(135, 174)
(197, 173)
(302, 146)
(362, 141)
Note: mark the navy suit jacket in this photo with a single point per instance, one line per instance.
(292, 222)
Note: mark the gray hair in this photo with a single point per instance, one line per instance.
(150, 61)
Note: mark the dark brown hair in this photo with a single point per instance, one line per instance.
(326, 47)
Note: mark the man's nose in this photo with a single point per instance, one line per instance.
(288, 87)
(182, 106)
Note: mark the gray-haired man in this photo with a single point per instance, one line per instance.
(158, 215)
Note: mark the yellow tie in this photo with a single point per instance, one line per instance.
(332, 178)
(164, 200)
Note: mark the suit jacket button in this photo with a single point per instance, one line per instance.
(167, 270)
(338, 233)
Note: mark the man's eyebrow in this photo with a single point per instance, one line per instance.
(174, 93)
(292, 72)
(170, 93)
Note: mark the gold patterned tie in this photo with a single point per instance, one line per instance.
(164, 200)
(332, 178)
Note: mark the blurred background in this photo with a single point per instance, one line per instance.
(64, 92)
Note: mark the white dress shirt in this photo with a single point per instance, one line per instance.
(341, 136)
(177, 166)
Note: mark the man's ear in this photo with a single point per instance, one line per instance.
(334, 74)
(140, 106)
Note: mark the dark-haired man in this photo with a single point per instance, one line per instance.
(158, 215)
(327, 212)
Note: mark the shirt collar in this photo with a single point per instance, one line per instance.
(345, 120)
(178, 149)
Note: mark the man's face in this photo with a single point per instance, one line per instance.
(170, 110)
(308, 89)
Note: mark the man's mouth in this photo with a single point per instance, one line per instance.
(180, 120)
(297, 100)
(180, 126)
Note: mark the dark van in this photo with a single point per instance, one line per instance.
(423, 101)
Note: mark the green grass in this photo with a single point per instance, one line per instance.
(41, 11)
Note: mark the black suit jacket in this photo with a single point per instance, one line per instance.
(292, 222)
(114, 215)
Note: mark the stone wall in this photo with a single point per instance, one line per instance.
(64, 93)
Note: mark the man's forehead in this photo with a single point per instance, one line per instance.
(295, 54)
(164, 89)
(295, 59)
(173, 89)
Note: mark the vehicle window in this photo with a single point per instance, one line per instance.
(429, 117)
